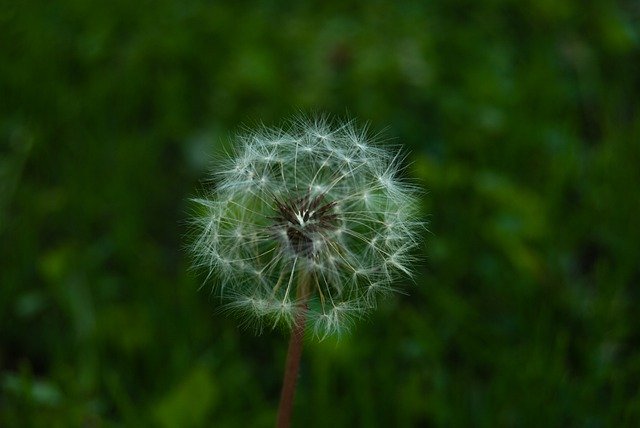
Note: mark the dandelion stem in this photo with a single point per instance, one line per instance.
(294, 353)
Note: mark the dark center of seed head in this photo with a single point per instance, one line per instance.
(304, 220)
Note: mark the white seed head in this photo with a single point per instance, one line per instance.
(314, 199)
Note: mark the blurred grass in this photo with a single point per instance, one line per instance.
(524, 127)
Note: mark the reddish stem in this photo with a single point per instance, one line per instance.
(292, 365)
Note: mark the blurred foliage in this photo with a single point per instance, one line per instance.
(523, 122)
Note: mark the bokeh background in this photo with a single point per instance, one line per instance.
(522, 119)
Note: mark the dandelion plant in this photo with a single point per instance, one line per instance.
(306, 226)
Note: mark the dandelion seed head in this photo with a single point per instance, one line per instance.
(317, 199)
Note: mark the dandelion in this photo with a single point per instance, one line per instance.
(307, 224)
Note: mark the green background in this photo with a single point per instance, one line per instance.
(523, 123)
